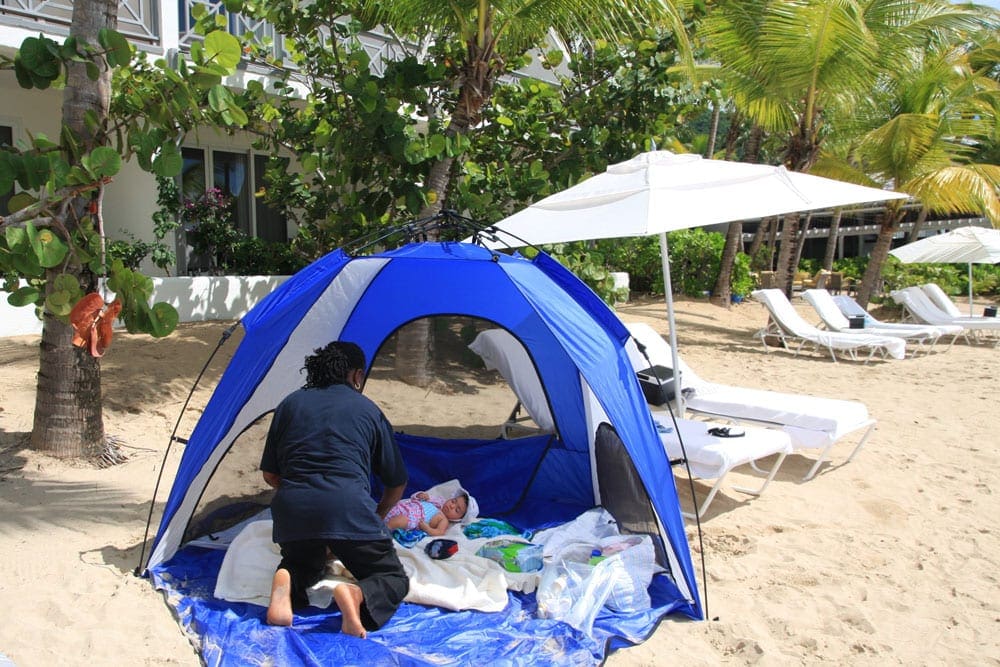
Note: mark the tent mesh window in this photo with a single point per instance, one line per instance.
(622, 492)
(236, 490)
(455, 372)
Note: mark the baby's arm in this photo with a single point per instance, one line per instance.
(438, 525)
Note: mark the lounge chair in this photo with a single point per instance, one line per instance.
(708, 456)
(917, 306)
(851, 308)
(944, 302)
(787, 325)
(833, 320)
(811, 422)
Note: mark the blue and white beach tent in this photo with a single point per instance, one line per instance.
(574, 340)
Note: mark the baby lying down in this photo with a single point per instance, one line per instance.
(431, 513)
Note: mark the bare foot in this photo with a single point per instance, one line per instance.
(349, 598)
(279, 611)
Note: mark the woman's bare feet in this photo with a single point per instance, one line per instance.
(349, 598)
(279, 611)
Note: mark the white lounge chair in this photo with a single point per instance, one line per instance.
(811, 422)
(834, 320)
(787, 325)
(708, 456)
(851, 308)
(918, 307)
(944, 302)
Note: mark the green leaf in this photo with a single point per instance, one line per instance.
(34, 173)
(27, 265)
(59, 304)
(163, 318)
(234, 6)
(67, 283)
(119, 50)
(19, 201)
(17, 239)
(102, 162)
(223, 49)
(414, 152)
(49, 248)
(203, 79)
(505, 121)
(38, 59)
(24, 296)
(93, 71)
(168, 162)
(436, 144)
(219, 98)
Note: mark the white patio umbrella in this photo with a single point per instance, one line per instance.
(660, 191)
(965, 245)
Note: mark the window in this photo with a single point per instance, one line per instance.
(239, 176)
(6, 139)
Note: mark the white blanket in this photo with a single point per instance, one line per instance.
(464, 581)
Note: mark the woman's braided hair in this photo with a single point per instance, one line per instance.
(330, 365)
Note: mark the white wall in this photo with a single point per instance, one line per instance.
(196, 300)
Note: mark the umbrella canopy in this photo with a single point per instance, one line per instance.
(965, 245)
(660, 191)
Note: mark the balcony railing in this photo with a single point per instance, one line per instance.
(380, 48)
(137, 19)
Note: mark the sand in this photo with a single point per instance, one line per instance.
(889, 559)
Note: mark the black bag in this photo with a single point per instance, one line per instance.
(657, 384)
(856, 321)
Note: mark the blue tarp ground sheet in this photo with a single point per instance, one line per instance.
(235, 633)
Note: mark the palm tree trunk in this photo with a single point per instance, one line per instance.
(723, 289)
(832, 240)
(917, 225)
(713, 130)
(800, 242)
(787, 265)
(758, 240)
(68, 420)
(415, 342)
(883, 244)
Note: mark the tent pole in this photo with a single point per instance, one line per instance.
(971, 309)
(669, 296)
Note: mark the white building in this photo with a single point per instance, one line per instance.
(211, 159)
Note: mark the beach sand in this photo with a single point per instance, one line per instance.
(890, 559)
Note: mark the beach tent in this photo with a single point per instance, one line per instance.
(577, 345)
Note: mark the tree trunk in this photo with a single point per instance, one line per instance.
(785, 272)
(800, 241)
(414, 342)
(917, 225)
(883, 244)
(772, 242)
(758, 240)
(832, 240)
(713, 130)
(723, 288)
(68, 419)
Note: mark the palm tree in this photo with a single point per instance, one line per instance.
(786, 64)
(68, 419)
(493, 35)
(792, 66)
(929, 119)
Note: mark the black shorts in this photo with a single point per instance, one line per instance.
(373, 563)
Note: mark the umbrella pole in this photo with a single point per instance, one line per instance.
(669, 295)
(971, 310)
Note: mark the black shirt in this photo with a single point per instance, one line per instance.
(325, 444)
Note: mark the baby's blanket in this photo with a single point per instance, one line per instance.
(464, 581)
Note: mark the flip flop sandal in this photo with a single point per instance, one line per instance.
(726, 432)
